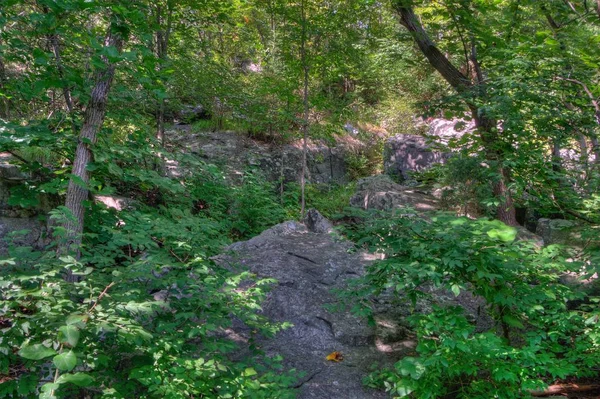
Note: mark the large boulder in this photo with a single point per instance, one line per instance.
(382, 193)
(559, 231)
(405, 154)
(20, 226)
(30, 232)
(309, 266)
(237, 153)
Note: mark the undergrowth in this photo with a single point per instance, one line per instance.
(542, 330)
(149, 314)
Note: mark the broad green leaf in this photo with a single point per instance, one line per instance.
(455, 289)
(69, 334)
(65, 361)
(36, 352)
(79, 379)
(506, 234)
(77, 319)
(249, 372)
(48, 390)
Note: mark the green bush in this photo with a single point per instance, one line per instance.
(149, 314)
(146, 320)
(536, 338)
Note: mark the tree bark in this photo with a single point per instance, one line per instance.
(486, 126)
(77, 191)
(4, 112)
(306, 111)
(162, 47)
(4, 108)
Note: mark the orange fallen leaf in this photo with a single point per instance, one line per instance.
(335, 357)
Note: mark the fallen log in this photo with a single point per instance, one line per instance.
(565, 388)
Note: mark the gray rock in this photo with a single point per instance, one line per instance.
(408, 153)
(381, 193)
(317, 223)
(11, 172)
(21, 226)
(192, 113)
(31, 233)
(559, 231)
(525, 235)
(404, 154)
(307, 267)
(237, 153)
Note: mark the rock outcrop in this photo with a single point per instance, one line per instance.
(405, 154)
(308, 266)
(559, 231)
(381, 193)
(20, 226)
(238, 153)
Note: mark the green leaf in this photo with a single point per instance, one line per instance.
(512, 321)
(69, 334)
(79, 379)
(36, 352)
(455, 289)
(65, 361)
(48, 390)
(77, 319)
(249, 372)
(504, 233)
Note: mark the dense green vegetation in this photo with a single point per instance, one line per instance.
(129, 303)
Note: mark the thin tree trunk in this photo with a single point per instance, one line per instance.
(596, 105)
(4, 110)
(306, 110)
(77, 191)
(583, 146)
(4, 113)
(487, 127)
(53, 39)
(162, 48)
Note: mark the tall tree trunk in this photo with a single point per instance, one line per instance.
(53, 39)
(163, 35)
(4, 112)
(486, 126)
(95, 111)
(306, 110)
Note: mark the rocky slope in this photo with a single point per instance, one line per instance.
(308, 266)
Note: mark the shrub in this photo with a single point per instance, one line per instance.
(536, 339)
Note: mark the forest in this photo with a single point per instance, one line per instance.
(299, 199)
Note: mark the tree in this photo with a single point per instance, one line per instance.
(95, 111)
(474, 91)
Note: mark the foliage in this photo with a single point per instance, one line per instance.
(535, 337)
(463, 183)
(147, 318)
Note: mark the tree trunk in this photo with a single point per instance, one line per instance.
(162, 47)
(487, 127)
(4, 105)
(4, 113)
(77, 191)
(306, 110)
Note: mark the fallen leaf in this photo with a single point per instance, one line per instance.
(335, 357)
